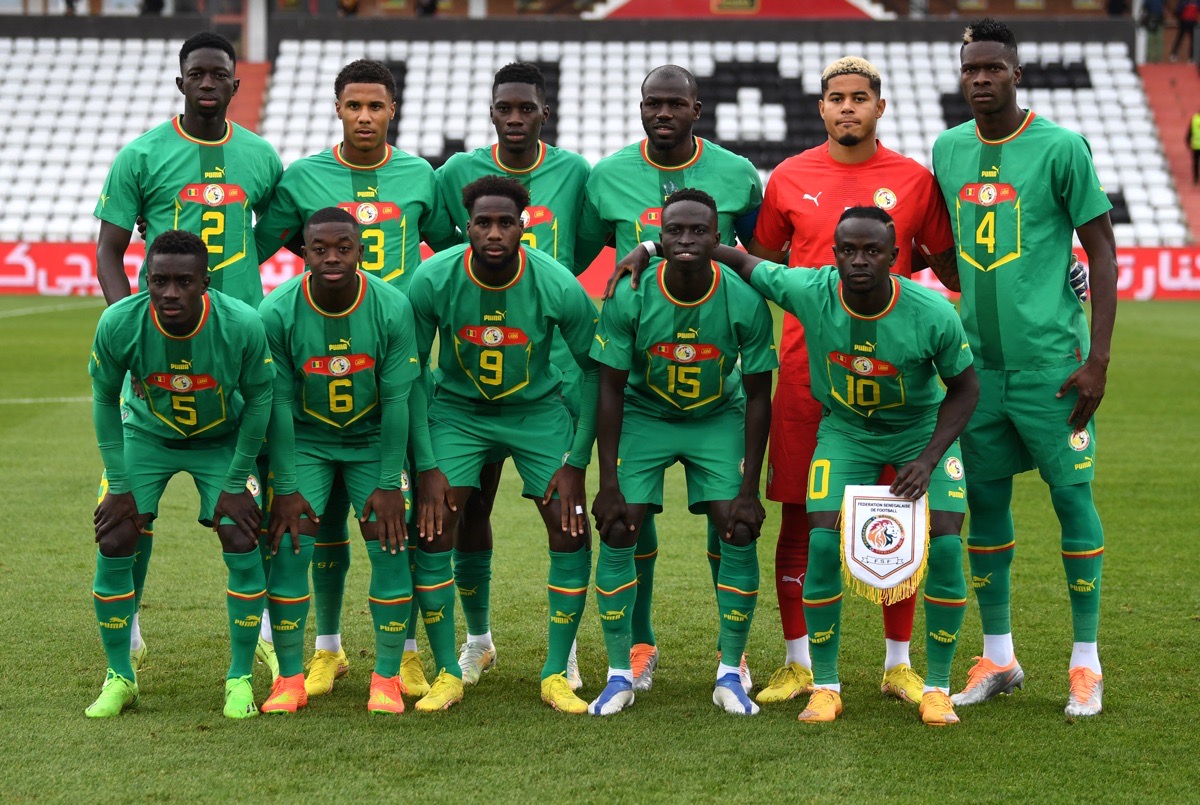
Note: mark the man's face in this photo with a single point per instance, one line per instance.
(518, 115)
(176, 283)
(850, 109)
(865, 251)
(207, 82)
(689, 233)
(332, 252)
(669, 109)
(365, 111)
(989, 76)
(495, 232)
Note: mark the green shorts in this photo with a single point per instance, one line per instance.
(466, 437)
(1021, 425)
(151, 462)
(317, 465)
(847, 455)
(711, 449)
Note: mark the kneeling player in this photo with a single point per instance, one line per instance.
(494, 306)
(201, 359)
(343, 344)
(669, 392)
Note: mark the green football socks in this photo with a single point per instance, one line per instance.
(331, 562)
(288, 601)
(644, 556)
(823, 603)
(566, 587)
(1082, 555)
(247, 587)
(990, 546)
(473, 577)
(433, 582)
(616, 591)
(390, 597)
(737, 595)
(113, 597)
(945, 605)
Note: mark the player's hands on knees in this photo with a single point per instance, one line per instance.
(243, 509)
(112, 511)
(388, 506)
(433, 497)
(1089, 380)
(610, 511)
(747, 510)
(572, 495)
(912, 480)
(632, 264)
(286, 511)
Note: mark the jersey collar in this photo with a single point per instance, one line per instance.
(516, 277)
(712, 289)
(1029, 116)
(695, 156)
(199, 325)
(177, 122)
(337, 155)
(541, 157)
(306, 284)
(890, 305)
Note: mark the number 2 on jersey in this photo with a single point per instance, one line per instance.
(214, 227)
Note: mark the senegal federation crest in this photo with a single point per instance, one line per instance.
(404, 484)
(214, 194)
(1079, 440)
(366, 213)
(252, 485)
(988, 195)
(954, 468)
(181, 383)
(339, 365)
(862, 366)
(885, 542)
(884, 199)
(525, 219)
(685, 353)
(492, 336)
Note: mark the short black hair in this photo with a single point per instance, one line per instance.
(869, 214)
(365, 71)
(671, 71)
(495, 186)
(205, 40)
(690, 194)
(178, 241)
(990, 30)
(521, 72)
(330, 215)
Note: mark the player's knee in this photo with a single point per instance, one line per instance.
(823, 520)
(618, 535)
(233, 540)
(943, 522)
(741, 536)
(120, 541)
(564, 542)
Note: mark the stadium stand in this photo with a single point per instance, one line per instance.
(760, 100)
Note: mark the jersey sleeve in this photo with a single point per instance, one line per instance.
(449, 197)
(758, 341)
(934, 235)
(613, 342)
(952, 353)
(420, 297)
(256, 384)
(593, 232)
(281, 433)
(107, 376)
(274, 171)
(395, 383)
(1078, 185)
(791, 289)
(280, 222)
(436, 226)
(120, 201)
(578, 327)
(773, 230)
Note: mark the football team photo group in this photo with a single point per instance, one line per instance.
(438, 339)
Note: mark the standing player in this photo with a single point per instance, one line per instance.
(203, 362)
(879, 345)
(393, 197)
(672, 352)
(623, 206)
(198, 172)
(555, 180)
(494, 305)
(1017, 187)
(343, 344)
(804, 199)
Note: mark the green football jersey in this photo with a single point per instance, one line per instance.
(338, 368)
(176, 181)
(395, 203)
(555, 183)
(877, 371)
(1014, 205)
(682, 357)
(195, 387)
(625, 193)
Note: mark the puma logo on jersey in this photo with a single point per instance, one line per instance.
(342, 345)
(603, 343)
(814, 199)
(991, 174)
(184, 365)
(692, 332)
(496, 316)
(866, 346)
(103, 200)
(215, 173)
(370, 192)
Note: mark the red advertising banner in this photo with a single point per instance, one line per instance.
(69, 269)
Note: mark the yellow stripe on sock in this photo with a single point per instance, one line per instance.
(712, 555)
(279, 599)
(245, 596)
(617, 590)
(729, 589)
(117, 597)
(567, 590)
(650, 555)
(404, 599)
(821, 602)
(991, 548)
(424, 588)
(1083, 554)
(947, 602)
(330, 544)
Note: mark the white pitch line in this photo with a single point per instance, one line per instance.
(43, 400)
(33, 311)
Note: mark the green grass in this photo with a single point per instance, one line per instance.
(501, 742)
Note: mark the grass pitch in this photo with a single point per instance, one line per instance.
(501, 743)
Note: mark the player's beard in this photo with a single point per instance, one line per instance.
(849, 140)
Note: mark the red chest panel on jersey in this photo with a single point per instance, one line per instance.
(371, 212)
(338, 365)
(181, 383)
(212, 195)
(493, 336)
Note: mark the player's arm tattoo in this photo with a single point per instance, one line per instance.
(944, 265)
